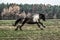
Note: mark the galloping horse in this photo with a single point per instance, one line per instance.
(30, 18)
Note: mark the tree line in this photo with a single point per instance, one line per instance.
(12, 11)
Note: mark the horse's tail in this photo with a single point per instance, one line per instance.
(16, 22)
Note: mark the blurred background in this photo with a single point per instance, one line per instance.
(12, 11)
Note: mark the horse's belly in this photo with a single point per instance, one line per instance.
(31, 22)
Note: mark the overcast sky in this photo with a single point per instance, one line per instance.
(52, 2)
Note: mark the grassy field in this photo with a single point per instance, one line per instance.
(30, 32)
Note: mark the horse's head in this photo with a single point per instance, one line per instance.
(42, 16)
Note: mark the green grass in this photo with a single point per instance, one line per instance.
(30, 32)
(47, 22)
(6, 22)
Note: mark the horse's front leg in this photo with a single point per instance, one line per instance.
(39, 26)
(41, 23)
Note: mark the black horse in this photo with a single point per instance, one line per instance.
(30, 19)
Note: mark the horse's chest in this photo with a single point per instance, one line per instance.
(34, 19)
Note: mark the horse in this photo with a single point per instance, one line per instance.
(30, 18)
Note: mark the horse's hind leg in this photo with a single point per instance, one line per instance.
(17, 21)
(17, 28)
(23, 23)
(21, 26)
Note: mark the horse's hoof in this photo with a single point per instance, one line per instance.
(44, 26)
(13, 25)
(41, 28)
(16, 29)
(21, 29)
